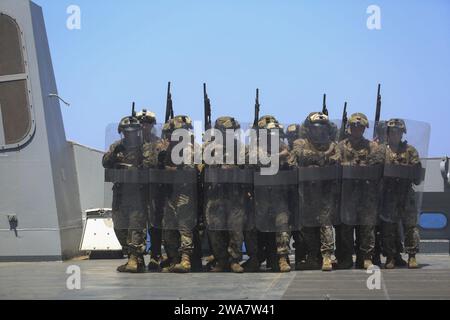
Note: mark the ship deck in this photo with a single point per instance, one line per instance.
(99, 280)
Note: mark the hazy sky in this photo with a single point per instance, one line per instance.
(294, 51)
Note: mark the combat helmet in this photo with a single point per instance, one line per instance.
(146, 117)
(396, 123)
(128, 123)
(178, 122)
(293, 132)
(358, 119)
(271, 124)
(225, 123)
(317, 127)
(265, 120)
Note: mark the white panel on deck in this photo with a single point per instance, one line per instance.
(98, 235)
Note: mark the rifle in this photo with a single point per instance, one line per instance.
(257, 107)
(207, 104)
(378, 112)
(169, 105)
(324, 105)
(343, 124)
(133, 110)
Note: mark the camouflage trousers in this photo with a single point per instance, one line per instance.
(129, 229)
(390, 239)
(282, 240)
(129, 218)
(155, 210)
(225, 219)
(272, 214)
(318, 240)
(299, 245)
(178, 223)
(345, 241)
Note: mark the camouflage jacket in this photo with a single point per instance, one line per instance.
(306, 154)
(283, 156)
(117, 156)
(153, 153)
(222, 163)
(361, 153)
(405, 155)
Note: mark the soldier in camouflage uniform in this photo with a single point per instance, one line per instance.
(381, 138)
(225, 206)
(318, 198)
(398, 202)
(360, 194)
(292, 134)
(271, 202)
(128, 209)
(153, 146)
(180, 211)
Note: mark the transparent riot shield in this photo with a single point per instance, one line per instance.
(227, 181)
(319, 178)
(293, 133)
(272, 188)
(319, 195)
(362, 169)
(123, 170)
(173, 188)
(404, 172)
(153, 152)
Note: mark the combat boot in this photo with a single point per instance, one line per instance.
(184, 266)
(376, 260)
(168, 264)
(390, 263)
(236, 267)
(219, 266)
(135, 264)
(368, 263)
(154, 264)
(346, 263)
(122, 267)
(283, 264)
(168, 268)
(251, 265)
(412, 262)
(399, 260)
(326, 263)
(310, 264)
(359, 262)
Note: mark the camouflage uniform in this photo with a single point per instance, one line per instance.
(128, 209)
(381, 137)
(225, 208)
(180, 211)
(360, 197)
(318, 199)
(271, 202)
(292, 134)
(153, 146)
(398, 202)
